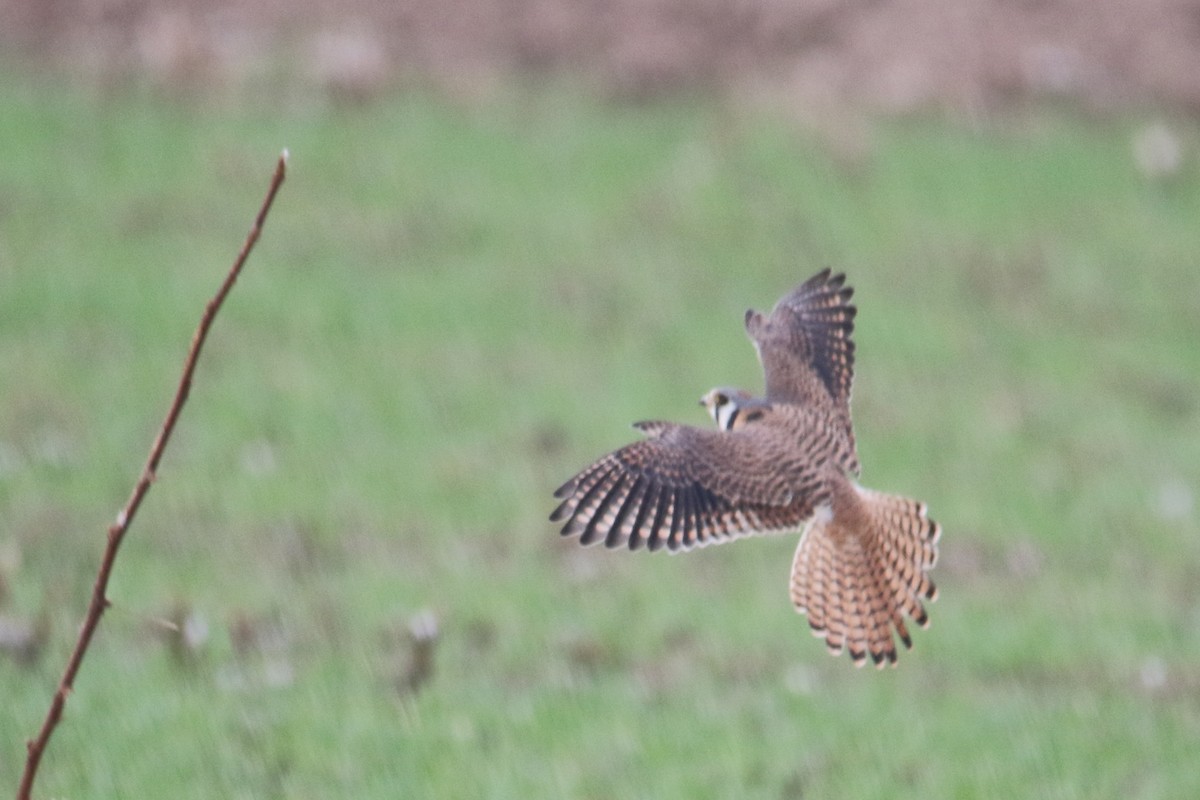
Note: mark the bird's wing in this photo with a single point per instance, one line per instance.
(805, 343)
(684, 487)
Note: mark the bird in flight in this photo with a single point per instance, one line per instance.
(782, 462)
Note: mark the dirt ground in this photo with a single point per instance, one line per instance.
(881, 55)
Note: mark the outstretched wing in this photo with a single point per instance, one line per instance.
(805, 344)
(684, 487)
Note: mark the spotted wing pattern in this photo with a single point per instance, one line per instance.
(807, 350)
(809, 333)
(685, 487)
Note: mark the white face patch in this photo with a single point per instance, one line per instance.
(725, 414)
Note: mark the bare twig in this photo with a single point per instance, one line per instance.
(116, 532)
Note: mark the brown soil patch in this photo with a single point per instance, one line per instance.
(893, 56)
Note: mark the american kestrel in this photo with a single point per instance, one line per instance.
(782, 462)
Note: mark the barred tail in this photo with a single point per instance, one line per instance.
(861, 568)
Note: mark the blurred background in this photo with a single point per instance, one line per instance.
(509, 230)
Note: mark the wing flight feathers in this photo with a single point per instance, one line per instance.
(684, 487)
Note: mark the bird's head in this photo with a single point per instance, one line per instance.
(728, 407)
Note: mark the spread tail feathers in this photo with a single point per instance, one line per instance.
(861, 568)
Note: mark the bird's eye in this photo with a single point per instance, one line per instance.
(721, 399)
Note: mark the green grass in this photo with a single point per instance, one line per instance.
(451, 310)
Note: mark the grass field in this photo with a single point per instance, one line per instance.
(452, 310)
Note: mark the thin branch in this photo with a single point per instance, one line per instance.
(116, 532)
